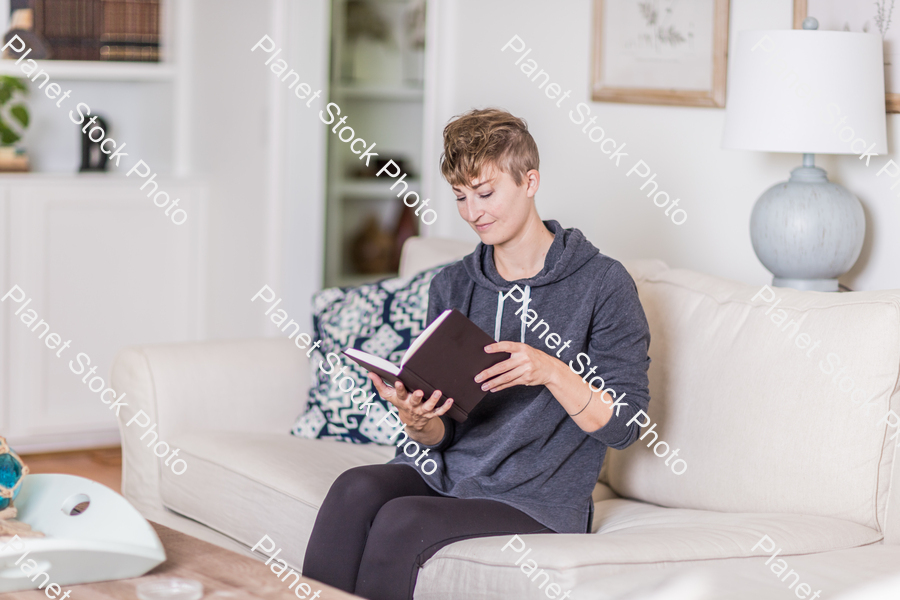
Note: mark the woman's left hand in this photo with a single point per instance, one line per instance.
(525, 366)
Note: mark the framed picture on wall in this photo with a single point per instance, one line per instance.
(660, 51)
(876, 16)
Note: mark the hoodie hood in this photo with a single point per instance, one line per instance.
(568, 253)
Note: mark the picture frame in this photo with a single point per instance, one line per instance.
(861, 15)
(660, 52)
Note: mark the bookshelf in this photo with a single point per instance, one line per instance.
(378, 92)
(145, 102)
(82, 70)
(349, 188)
(377, 77)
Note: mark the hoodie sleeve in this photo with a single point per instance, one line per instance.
(620, 339)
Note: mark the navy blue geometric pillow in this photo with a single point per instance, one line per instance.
(380, 318)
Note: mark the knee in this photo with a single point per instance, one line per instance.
(355, 484)
(403, 518)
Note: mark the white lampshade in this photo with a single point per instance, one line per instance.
(789, 90)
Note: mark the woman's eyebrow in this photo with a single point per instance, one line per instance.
(474, 187)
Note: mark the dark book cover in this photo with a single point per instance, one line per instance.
(447, 360)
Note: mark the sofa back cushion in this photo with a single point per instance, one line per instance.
(777, 400)
(420, 253)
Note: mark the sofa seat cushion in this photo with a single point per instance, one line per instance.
(247, 485)
(629, 537)
(839, 573)
(847, 574)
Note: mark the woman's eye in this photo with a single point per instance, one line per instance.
(461, 199)
(488, 195)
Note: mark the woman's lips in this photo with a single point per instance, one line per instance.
(483, 227)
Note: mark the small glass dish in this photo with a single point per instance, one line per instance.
(171, 588)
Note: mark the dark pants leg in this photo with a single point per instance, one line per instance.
(384, 522)
(408, 531)
(342, 526)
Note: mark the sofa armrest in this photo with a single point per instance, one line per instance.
(247, 385)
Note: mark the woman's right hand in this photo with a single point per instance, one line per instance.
(418, 414)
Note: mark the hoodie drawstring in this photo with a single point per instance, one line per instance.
(498, 317)
(525, 300)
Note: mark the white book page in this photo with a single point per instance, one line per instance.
(373, 360)
(425, 335)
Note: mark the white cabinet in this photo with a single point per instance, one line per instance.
(103, 267)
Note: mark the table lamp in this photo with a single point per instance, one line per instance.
(807, 91)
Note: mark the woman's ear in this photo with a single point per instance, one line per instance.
(533, 179)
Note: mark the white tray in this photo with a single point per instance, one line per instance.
(109, 540)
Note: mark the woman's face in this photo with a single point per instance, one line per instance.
(494, 206)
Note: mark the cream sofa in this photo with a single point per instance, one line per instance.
(773, 445)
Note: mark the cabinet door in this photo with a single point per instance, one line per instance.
(105, 268)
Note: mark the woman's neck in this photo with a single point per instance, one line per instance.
(523, 256)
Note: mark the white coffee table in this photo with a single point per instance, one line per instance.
(108, 540)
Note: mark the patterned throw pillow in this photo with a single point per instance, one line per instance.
(381, 318)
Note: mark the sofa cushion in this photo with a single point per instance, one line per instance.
(420, 253)
(379, 318)
(629, 537)
(863, 573)
(247, 485)
(763, 424)
(849, 573)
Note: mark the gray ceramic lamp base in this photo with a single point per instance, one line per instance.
(807, 231)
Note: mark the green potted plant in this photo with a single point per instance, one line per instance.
(14, 119)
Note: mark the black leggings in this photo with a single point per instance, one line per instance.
(380, 523)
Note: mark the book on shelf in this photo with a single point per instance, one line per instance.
(446, 356)
(100, 30)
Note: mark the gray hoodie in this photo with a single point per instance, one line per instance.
(519, 446)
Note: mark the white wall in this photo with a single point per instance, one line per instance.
(303, 217)
(262, 154)
(581, 188)
(229, 152)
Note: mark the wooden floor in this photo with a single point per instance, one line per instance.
(103, 465)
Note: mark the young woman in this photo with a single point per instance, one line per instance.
(528, 456)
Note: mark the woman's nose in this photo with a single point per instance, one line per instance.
(471, 210)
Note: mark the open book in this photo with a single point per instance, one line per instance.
(447, 357)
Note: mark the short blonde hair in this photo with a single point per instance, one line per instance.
(487, 137)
